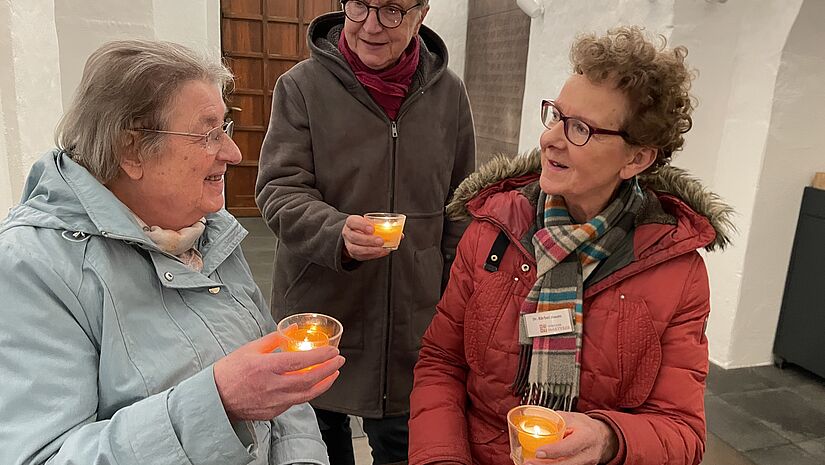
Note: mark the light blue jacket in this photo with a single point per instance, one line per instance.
(107, 343)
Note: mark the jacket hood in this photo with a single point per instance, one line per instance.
(668, 179)
(60, 194)
(323, 34)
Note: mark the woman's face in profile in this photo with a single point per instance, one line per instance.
(380, 47)
(588, 174)
(184, 180)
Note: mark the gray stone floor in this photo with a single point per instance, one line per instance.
(755, 416)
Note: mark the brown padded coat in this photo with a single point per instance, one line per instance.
(644, 355)
(331, 151)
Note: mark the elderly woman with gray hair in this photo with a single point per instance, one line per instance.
(133, 332)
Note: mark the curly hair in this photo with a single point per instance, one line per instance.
(654, 78)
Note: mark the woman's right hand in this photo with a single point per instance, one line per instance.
(359, 243)
(255, 383)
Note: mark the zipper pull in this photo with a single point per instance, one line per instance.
(394, 130)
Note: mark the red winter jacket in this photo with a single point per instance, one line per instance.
(644, 354)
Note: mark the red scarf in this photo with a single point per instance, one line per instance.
(388, 87)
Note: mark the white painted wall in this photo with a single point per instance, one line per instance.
(43, 48)
(448, 18)
(30, 94)
(794, 151)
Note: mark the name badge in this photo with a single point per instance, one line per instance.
(549, 323)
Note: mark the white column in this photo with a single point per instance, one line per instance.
(30, 94)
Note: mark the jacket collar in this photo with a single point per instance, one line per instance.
(676, 191)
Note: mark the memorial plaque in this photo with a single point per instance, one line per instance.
(497, 37)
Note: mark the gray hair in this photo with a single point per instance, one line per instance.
(127, 85)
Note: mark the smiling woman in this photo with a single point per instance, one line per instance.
(138, 333)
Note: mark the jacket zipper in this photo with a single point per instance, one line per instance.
(388, 329)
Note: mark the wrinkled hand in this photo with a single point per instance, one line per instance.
(255, 384)
(587, 441)
(359, 243)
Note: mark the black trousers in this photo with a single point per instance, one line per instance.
(388, 438)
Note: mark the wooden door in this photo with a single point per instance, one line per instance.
(260, 40)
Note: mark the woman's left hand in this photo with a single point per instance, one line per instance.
(588, 441)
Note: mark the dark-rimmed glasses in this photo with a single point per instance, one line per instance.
(575, 130)
(389, 16)
(213, 139)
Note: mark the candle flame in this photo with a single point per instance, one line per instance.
(306, 344)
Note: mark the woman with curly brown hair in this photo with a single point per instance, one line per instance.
(595, 230)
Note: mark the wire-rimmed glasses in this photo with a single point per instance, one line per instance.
(213, 139)
(575, 130)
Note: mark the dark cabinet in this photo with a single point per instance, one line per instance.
(800, 336)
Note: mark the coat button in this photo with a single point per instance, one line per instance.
(214, 290)
(169, 276)
(525, 268)
(494, 257)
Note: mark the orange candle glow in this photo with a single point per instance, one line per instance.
(306, 338)
(534, 432)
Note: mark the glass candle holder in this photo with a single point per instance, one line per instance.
(388, 226)
(306, 331)
(530, 428)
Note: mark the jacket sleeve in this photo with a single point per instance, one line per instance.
(49, 393)
(669, 427)
(463, 165)
(285, 191)
(438, 427)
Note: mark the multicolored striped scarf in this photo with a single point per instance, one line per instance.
(550, 366)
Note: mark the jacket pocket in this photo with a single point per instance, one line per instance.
(640, 352)
(484, 310)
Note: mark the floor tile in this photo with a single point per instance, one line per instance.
(783, 410)
(363, 452)
(790, 376)
(357, 427)
(788, 454)
(717, 452)
(737, 428)
(721, 381)
(814, 447)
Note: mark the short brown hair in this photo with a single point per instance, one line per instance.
(655, 79)
(127, 85)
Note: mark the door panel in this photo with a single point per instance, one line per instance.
(260, 40)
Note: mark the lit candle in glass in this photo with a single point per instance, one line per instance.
(534, 432)
(530, 428)
(387, 226)
(306, 331)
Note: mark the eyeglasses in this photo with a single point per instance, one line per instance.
(389, 16)
(213, 139)
(575, 130)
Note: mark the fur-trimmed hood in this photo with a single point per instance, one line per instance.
(668, 179)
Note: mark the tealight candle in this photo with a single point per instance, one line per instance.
(530, 428)
(534, 432)
(387, 226)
